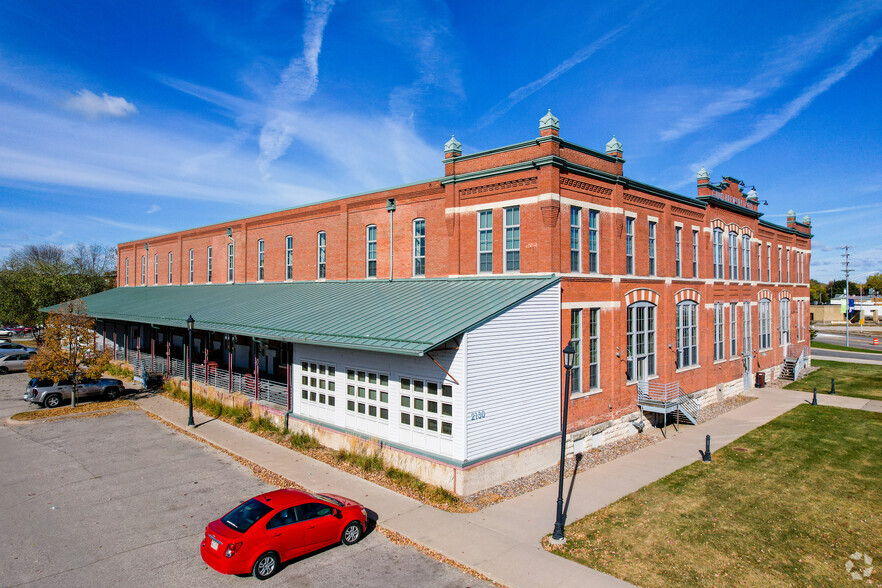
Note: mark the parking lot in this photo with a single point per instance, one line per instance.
(124, 499)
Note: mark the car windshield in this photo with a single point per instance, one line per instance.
(245, 515)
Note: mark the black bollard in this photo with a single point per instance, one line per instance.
(832, 385)
(815, 397)
(706, 456)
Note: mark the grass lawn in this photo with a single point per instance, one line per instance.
(852, 379)
(785, 505)
(834, 347)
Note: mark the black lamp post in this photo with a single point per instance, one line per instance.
(569, 358)
(190, 323)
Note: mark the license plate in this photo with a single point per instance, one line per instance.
(215, 544)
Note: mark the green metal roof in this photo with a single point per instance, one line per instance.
(408, 317)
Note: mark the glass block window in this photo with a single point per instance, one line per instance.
(317, 383)
(367, 393)
(513, 239)
(593, 263)
(485, 241)
(427, 406)
(575, 239)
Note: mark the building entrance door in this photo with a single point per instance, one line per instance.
(747, 359)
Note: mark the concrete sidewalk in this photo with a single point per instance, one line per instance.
(504, 540)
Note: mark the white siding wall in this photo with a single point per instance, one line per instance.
(514, 388)
(396, 367)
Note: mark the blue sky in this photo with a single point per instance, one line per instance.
(122, 120)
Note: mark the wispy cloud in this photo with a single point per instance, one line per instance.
(93, 106)
(138, 228)
(771, 123)
(297, 85)
(566, 65)
(792, 57)
(154, 208)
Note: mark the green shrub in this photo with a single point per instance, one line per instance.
(303, 441)
(405, 479)
(120, 372)
(368, 462)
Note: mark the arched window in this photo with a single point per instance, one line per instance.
(687, 334)
(320, 251)
(641, 340)
(765, 324)
(371, 250)
(419, 247)
(289, 257)
(718, 254)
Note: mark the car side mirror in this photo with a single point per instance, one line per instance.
(338, 514)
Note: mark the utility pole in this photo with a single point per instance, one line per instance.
(847, 273)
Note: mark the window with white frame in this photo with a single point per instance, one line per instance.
(289, 257)
(733, 256)
(427, 406)
(694, 253)
(718, 254)
(594, 348)
(576, 342)
(260, 259)
(733, 329)
(629, 245)
(687, 334)
(512, 239)
(208, 262)
(799, 320)
(759, 262)
(779, 262)
(575, 239)
(745, 257)
(367, 393)
(718, 331)
(787, 264)
(127, 271)
(677, 265)
(320, 255)
(143, 270)
(765, 324)
(170, 266)
(768, 262)
(317, 383)
(651, 243)
(190, 279)
(231, 262)
(593, 261)
(371, 250)
(746, 328)
(784, 322)
(419, 247)
(155, 269)
(641, 340)
(485, 241)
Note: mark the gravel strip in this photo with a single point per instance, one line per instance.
(715, 410)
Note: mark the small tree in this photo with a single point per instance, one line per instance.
(68, 350)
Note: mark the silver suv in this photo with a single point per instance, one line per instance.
(49, 394)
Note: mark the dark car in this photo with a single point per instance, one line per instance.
(258, 535)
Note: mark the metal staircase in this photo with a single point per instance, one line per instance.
(667, 398)
(794, 364)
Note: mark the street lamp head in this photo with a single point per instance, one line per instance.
(190, 322)
(569, 355)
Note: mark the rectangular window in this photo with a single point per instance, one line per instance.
(718, 254)
(718, 331)
(746, 328)
(419, 247)
(318, 383)
(127, 272)
(260, 259)
(733, 329)
(512, 239)
(143, 270)
(320, 261)
(231, 262)
(641, 341)
(575, 239)
(787, 263)
(779, 263)
(208, 266)
(652, 248)
(759, 262)
(629, 245)
(593, 262)
(687, 334)
(155, 269)
(765, 324)
(593, 348)
(289, 257)
(768, 262)
(169, 267)
(745, 257)
(733, 256)
(784, 321)
(694, 253)
(576, 341)
(190, 279)
(371, 250)
(678, 270)
(485, 241)
(429, 405)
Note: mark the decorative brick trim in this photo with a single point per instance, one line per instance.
(718, 223)
(764, 294)
(641, 295)
(687, 294)
(571, 183)
(733, 228)
(508, 185)
(747, 231)
(686, 212)
(784, 294)
(640, 201)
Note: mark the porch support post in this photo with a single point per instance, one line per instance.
(153, 352)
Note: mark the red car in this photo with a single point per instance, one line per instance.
(256, 536)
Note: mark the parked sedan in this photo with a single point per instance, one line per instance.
(260, 534)
(6, 332)
(14, 362)
(51, 394)
(7, 348)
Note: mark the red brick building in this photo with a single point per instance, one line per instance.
(655, 285)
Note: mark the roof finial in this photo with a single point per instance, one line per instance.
(614, 147)
(703, 175)
(453, 147)
(549, 121)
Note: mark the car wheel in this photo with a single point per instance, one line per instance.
(4, 369)
(265, 566)
(352, 533)
(111, 393)
(52, 401)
